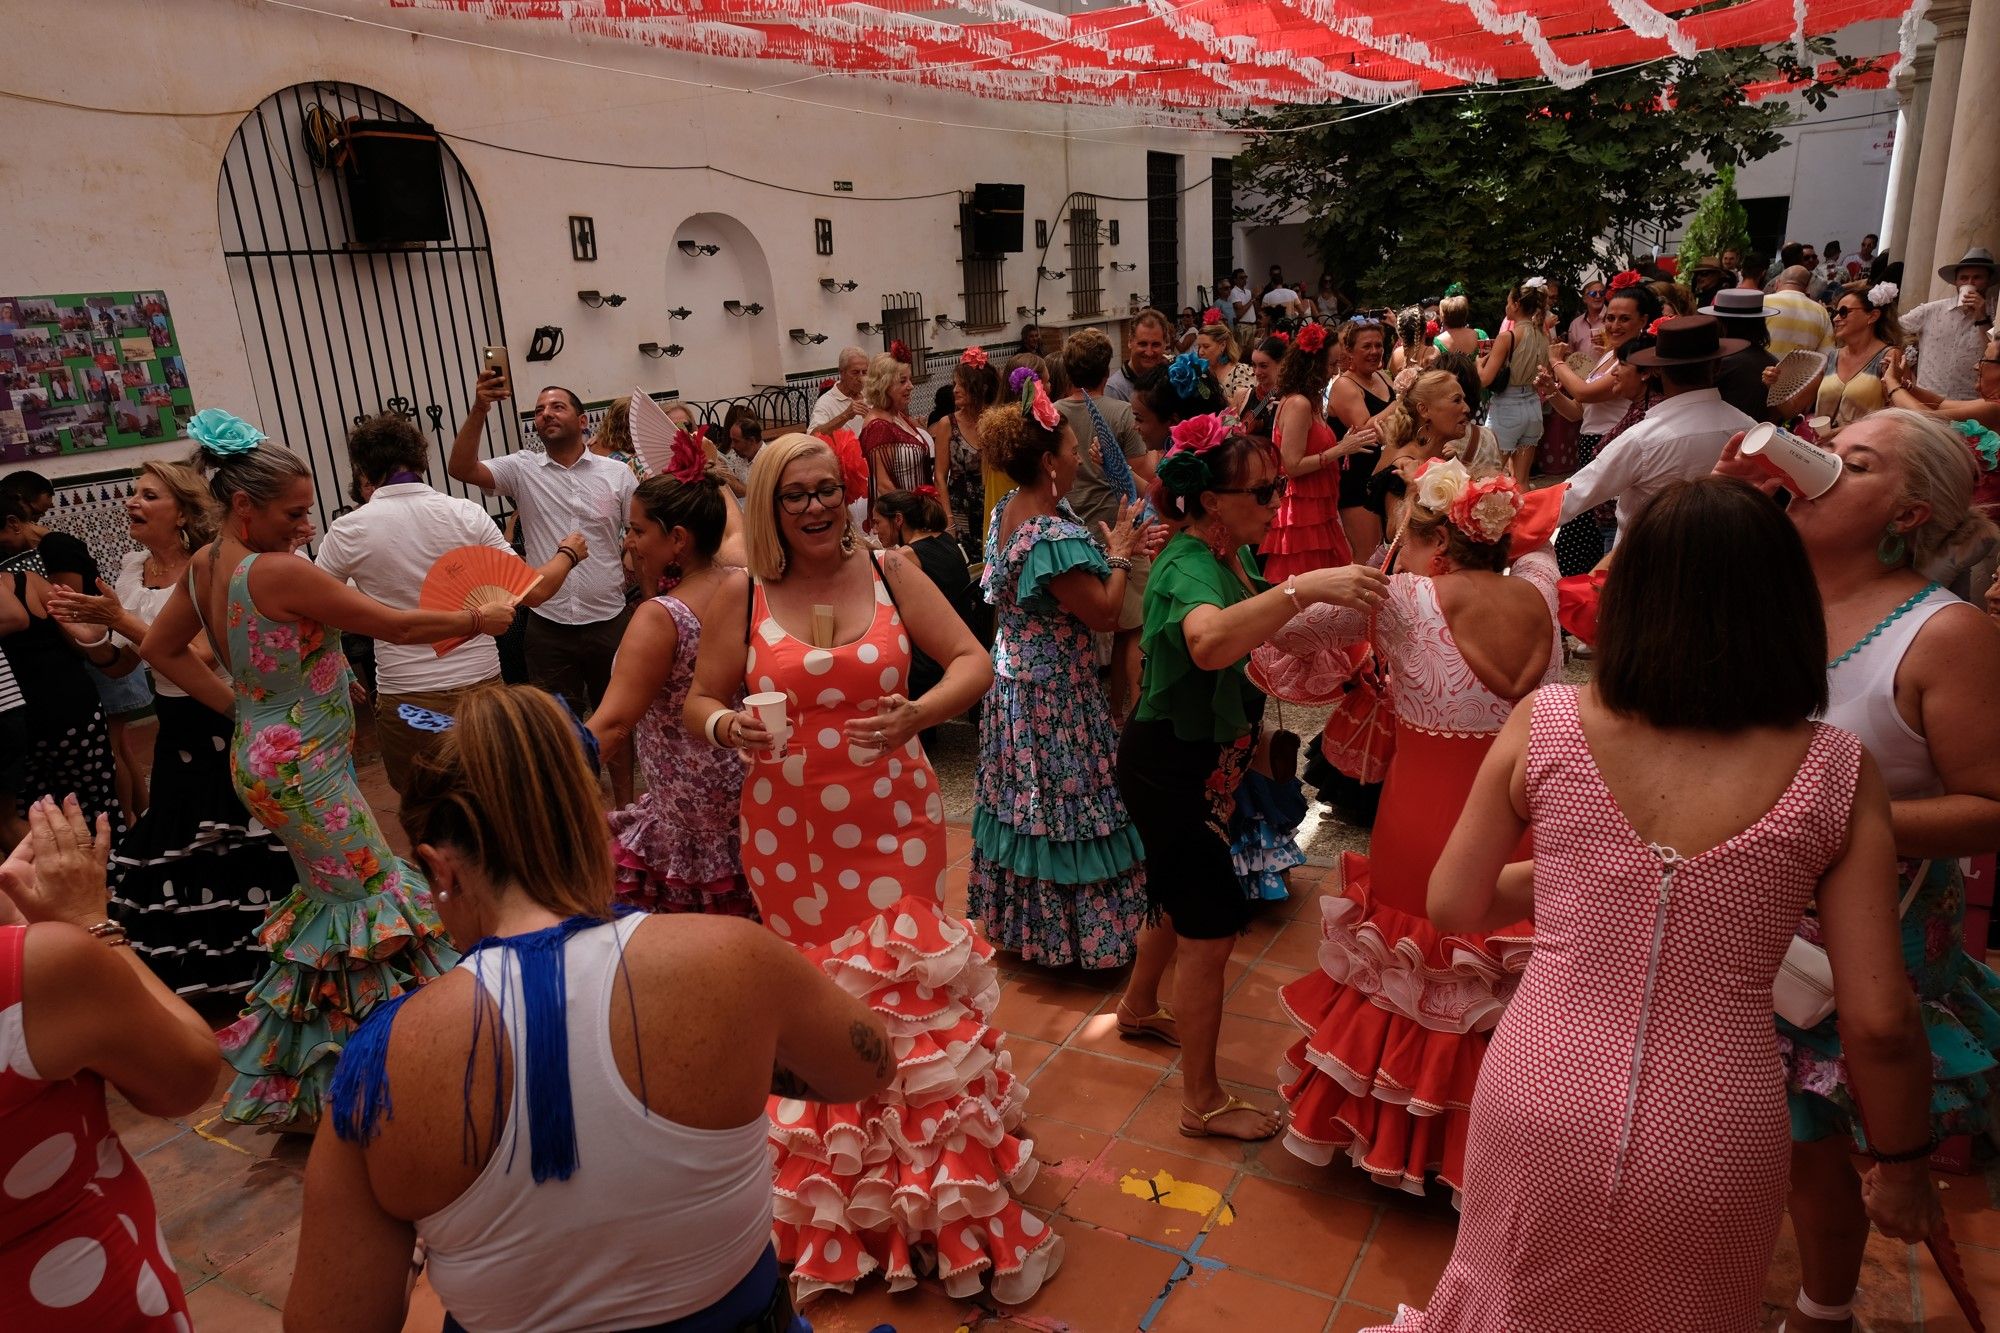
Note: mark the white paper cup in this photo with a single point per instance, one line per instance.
(1805, 467)
(769, 707)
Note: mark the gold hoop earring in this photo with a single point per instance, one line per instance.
(847, 540)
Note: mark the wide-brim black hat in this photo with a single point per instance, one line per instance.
(1687, 341)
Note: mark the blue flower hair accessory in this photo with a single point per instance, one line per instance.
(424, 719)
(223, 433)
(1983, 442)
(1189, 375)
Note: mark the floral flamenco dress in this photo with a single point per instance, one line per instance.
(675, 847)
(358, 928)
(845, 852)
(1398, 1014)
(1058, 871)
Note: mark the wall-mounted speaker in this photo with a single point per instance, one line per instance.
(395, 182)
(996, 218)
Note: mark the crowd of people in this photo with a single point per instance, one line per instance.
(729, 1009)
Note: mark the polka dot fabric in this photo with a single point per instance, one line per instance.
(845, 855)
(1627, 1158)
(80, 1244)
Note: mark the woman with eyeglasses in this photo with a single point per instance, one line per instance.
(843, 842)
(1865, 332)
(1189, 743)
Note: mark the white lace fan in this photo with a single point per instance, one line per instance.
(665, 449)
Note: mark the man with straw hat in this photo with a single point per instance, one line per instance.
(1952, 332)
(1680, 437)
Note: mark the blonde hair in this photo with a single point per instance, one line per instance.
(1402, 425)
(881, 376)
(763, 535)
(466, 792)
(614, 430)
(1455, 312)
(190, 492)
(1220, 333)
(1938, 471)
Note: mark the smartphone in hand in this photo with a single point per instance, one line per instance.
(494, 358)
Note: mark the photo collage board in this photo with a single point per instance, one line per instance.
(89, 371)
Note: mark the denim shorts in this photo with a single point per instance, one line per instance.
(1515, 418)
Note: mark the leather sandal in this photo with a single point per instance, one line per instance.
(1228, 1104)
(1156, 1026)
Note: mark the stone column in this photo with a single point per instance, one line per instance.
(1895, 225)
(1969, 213)
(1927, 201)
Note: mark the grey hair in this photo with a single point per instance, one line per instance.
(1939, 471)
(847, 352)
(260, 475)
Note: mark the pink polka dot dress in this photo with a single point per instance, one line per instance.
(80, 1244)
(845, 853)
(1627, 1159)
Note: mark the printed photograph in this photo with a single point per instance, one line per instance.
(61, 386)
(44, 443)
(13, 428)
(139, 348)
(176, 371)
(96, 387)
(10, 314)
(90, 435)
(31, 399)
(74, 317)
(73, 343)
(161, 335)
(126, 317)
(136, 419)
(151, 304)
(157, 395)
(105, 353)
(37, 310)
(131, 377)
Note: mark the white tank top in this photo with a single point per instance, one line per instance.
(1861, 698)
(1601, 416)
(658, 1220)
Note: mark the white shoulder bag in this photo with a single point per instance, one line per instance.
(1802, 995)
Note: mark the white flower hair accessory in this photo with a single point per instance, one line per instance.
(1440, 484)
(1882, 293)
(1535, 284)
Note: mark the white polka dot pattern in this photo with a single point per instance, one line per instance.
(1562, 1232)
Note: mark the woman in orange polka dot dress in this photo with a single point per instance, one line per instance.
(843, 844)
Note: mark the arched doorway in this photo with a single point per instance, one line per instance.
(336, 332)
(727, 355)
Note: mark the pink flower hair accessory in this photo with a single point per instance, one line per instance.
(1486, 509)
(974, 357)
(1199, 434)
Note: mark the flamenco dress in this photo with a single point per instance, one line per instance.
(845, 852)
(675, 847)
(1397, 1016)
(357, 929)
(1306, 534)
(1058, 872)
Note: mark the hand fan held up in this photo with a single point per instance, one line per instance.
(474, 576)
(665, 449)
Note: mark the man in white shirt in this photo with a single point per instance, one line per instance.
(1242, 310)
(571, 638)
(1951, 333)
(841, 406)
(1680, 437)
(386, 547)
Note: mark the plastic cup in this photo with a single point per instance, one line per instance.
(1802, 465)
(769, 707)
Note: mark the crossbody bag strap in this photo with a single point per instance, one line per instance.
(1916, 883)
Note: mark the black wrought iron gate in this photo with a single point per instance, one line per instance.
(337, 333)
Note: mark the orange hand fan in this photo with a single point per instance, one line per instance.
(472, 576)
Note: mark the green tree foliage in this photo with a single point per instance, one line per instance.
(1719, 223)
(1489, 187)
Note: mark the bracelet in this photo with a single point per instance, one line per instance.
(472, 621)
(110, 932)
(574, 558)
(1120, 563)
(1291, 590)
(1913, 1155)
(709, 727)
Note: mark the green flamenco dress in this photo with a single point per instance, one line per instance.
(358, 928)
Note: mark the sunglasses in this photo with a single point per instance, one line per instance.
(829, 495)
(1843, 311)
(1595, 293)
(1262, 495)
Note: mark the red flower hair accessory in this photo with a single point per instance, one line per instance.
(1629, 278)
(1212, 315)
(1311, 338)
(926, 491)
(688, 460)
(974, 357)
(1282, 337)
(1199, 433)
(1653, 329)
(901, 351)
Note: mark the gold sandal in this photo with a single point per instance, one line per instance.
(1152, 1027)
(1228, 1104)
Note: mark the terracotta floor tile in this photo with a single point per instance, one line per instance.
(1065, 1153)
(1352, 1318)
(217, 1307)
(139, 1132)
(226, 1226)
(1150, 1193)
(1046, 1010)
(1251, 944)
(266, 1272)
(1209, 1300)
(1937, 1306)
(1158, 1123)
(1027, 1054)
(1090, 1090)
(1256, 995)
(1293, 1235)
(185, 1170)
(1968, 1205)
(1099, 1033)
(1106, 1285)
(1297, 946)
(1403, 1259)
(922, 1307)
(1249, 1049)
(1340, 1176)
(955, 887)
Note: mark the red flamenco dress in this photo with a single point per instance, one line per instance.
(1306, 534)
(1397, 1017)
(845, 852)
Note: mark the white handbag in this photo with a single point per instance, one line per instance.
(1802, 994)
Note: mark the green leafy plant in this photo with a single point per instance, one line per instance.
(1719, 223)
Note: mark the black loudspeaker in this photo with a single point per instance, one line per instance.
(395, 182)
(996, 218)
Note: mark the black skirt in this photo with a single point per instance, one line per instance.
(1181, 795)
(194, 875)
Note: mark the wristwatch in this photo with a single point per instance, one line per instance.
(1291, 590)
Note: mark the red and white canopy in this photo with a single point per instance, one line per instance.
(1200, 54)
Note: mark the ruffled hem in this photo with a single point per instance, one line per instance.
(1084, 861)
(1051, 558)
(643, 887)
(1400, 1148)
(1297, 533)
(332, 963)
(205, 942)
(917, 1179)
(1262, 855)
(674, 849)
(1092, 925)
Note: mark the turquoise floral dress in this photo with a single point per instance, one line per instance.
(1058, 872)
(358, 928)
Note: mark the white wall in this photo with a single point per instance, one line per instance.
(120, 202)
